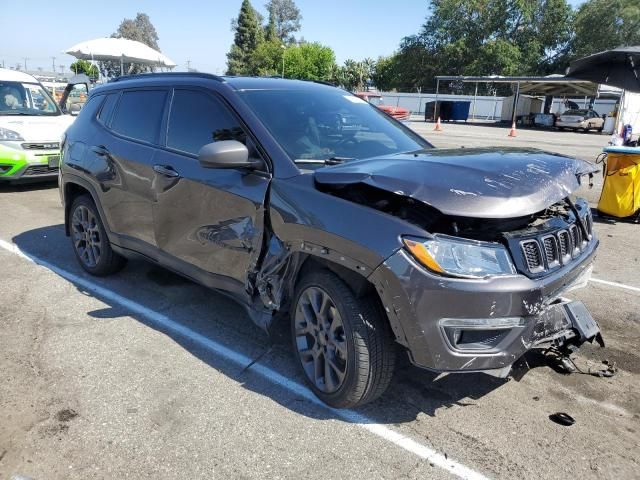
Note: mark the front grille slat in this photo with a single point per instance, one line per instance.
(565, 246)
(533, 256)
(551, 250)
(551, 254)
(576, 238)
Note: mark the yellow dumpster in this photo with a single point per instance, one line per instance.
(621, 190)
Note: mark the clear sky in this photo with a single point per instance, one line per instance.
(199, 30)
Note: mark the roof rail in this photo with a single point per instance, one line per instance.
(210, 76)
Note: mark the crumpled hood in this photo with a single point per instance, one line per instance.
(37, 128)
(481, 183)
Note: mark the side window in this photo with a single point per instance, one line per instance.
(107, 108)
(197, 118)
(139, 114)
(91, 107)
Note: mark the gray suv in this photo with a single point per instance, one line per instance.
(306, 203)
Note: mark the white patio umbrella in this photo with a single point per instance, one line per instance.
(119, 49)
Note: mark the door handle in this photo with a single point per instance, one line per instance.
(166, 170)
(100, 150)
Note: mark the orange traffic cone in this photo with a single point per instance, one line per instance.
(512, 132)
(438, 127)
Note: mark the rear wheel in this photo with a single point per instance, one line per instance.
(90, 243)
(341, 341)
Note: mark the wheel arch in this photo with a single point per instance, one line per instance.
(72, 188)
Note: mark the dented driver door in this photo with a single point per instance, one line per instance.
(208, 222)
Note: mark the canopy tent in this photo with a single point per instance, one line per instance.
(617, 67)
(119, 49)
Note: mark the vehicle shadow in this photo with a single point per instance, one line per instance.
(6, 187)
(213, 316)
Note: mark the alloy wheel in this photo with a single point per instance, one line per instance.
(86, 236)
(320, 339)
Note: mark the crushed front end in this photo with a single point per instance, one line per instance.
(456, 322)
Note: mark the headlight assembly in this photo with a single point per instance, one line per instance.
(6, 134)
(459, 257)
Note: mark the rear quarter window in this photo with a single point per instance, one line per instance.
(107, 108)
(139, 114)
(90, 108)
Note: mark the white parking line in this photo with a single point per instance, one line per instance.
(267, 373)
(615, 284)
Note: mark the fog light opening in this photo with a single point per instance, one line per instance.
(473, 334)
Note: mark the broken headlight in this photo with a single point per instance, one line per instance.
(459, 257)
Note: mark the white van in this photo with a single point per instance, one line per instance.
(31, 126)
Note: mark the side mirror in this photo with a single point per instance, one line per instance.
(226, 154)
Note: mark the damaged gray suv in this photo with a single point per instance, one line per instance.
(306, 203)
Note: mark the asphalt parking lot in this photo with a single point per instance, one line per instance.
(143, 374)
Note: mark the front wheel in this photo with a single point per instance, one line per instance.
(90, 243)
(341, 341)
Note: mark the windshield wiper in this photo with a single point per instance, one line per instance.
(324, 161)
(9, 112)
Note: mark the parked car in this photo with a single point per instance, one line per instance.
(31, 125)
(311, 206)
(375, 98)
(580, 120)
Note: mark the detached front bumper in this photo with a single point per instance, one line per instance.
(17, 163)
(451, 324)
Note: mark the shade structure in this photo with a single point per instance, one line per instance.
(121, 50)
(556, 85)
(617, 67)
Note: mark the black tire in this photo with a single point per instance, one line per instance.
(89, 239)
(365, 338)
(600, 129)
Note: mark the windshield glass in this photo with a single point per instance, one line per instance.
(322, 124)
(375, 101)
(18, 98)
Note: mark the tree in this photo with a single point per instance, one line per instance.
(384, 75)
(139, 29)
(484, 37)
(248, 35)
(605, 24)
(84, 66)
(285, 17)
(309, 61)
(266, 59)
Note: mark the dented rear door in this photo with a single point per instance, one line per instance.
(207, 221)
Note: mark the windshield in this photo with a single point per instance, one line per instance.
(375, 101)
(18, 98)
(324, 124)
(579, 113)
